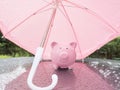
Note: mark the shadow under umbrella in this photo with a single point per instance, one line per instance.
(66, 79)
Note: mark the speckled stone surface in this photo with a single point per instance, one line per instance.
(109, 70)
(79, 78)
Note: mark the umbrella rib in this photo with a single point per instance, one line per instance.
(45, 1)
(68, 18)
(27, 18)
(44, 10)
(94, 14)
(48, 30)
(75, 5)
(46, 36)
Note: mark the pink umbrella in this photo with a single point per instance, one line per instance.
(36, 23)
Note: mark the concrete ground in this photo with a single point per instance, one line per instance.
(81, 77)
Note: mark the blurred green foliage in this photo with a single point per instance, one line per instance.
(10, 49)
(109, 51)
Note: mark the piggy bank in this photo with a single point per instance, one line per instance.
(62, 55)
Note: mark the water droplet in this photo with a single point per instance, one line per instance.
(118, 78)
(116, 81)
(113, 71)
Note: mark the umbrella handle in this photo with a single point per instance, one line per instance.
(37, 59)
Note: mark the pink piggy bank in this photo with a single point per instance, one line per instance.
(62, 55)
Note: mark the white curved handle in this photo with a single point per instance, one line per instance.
(37, 59)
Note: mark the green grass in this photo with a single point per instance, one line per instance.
(4, 56)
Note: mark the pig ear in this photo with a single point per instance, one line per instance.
(73, 44)
(53, 44)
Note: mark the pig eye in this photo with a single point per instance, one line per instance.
(66, 48)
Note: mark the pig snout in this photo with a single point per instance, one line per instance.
(64, 55)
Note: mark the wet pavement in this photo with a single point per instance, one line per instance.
(109, 70)
(11, 68)
(9, 64)
(95, 74)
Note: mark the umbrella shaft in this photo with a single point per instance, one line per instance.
(49, 25)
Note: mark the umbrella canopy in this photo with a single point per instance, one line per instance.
(90, 23)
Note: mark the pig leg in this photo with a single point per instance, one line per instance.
(83, 61)
(70, 67)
